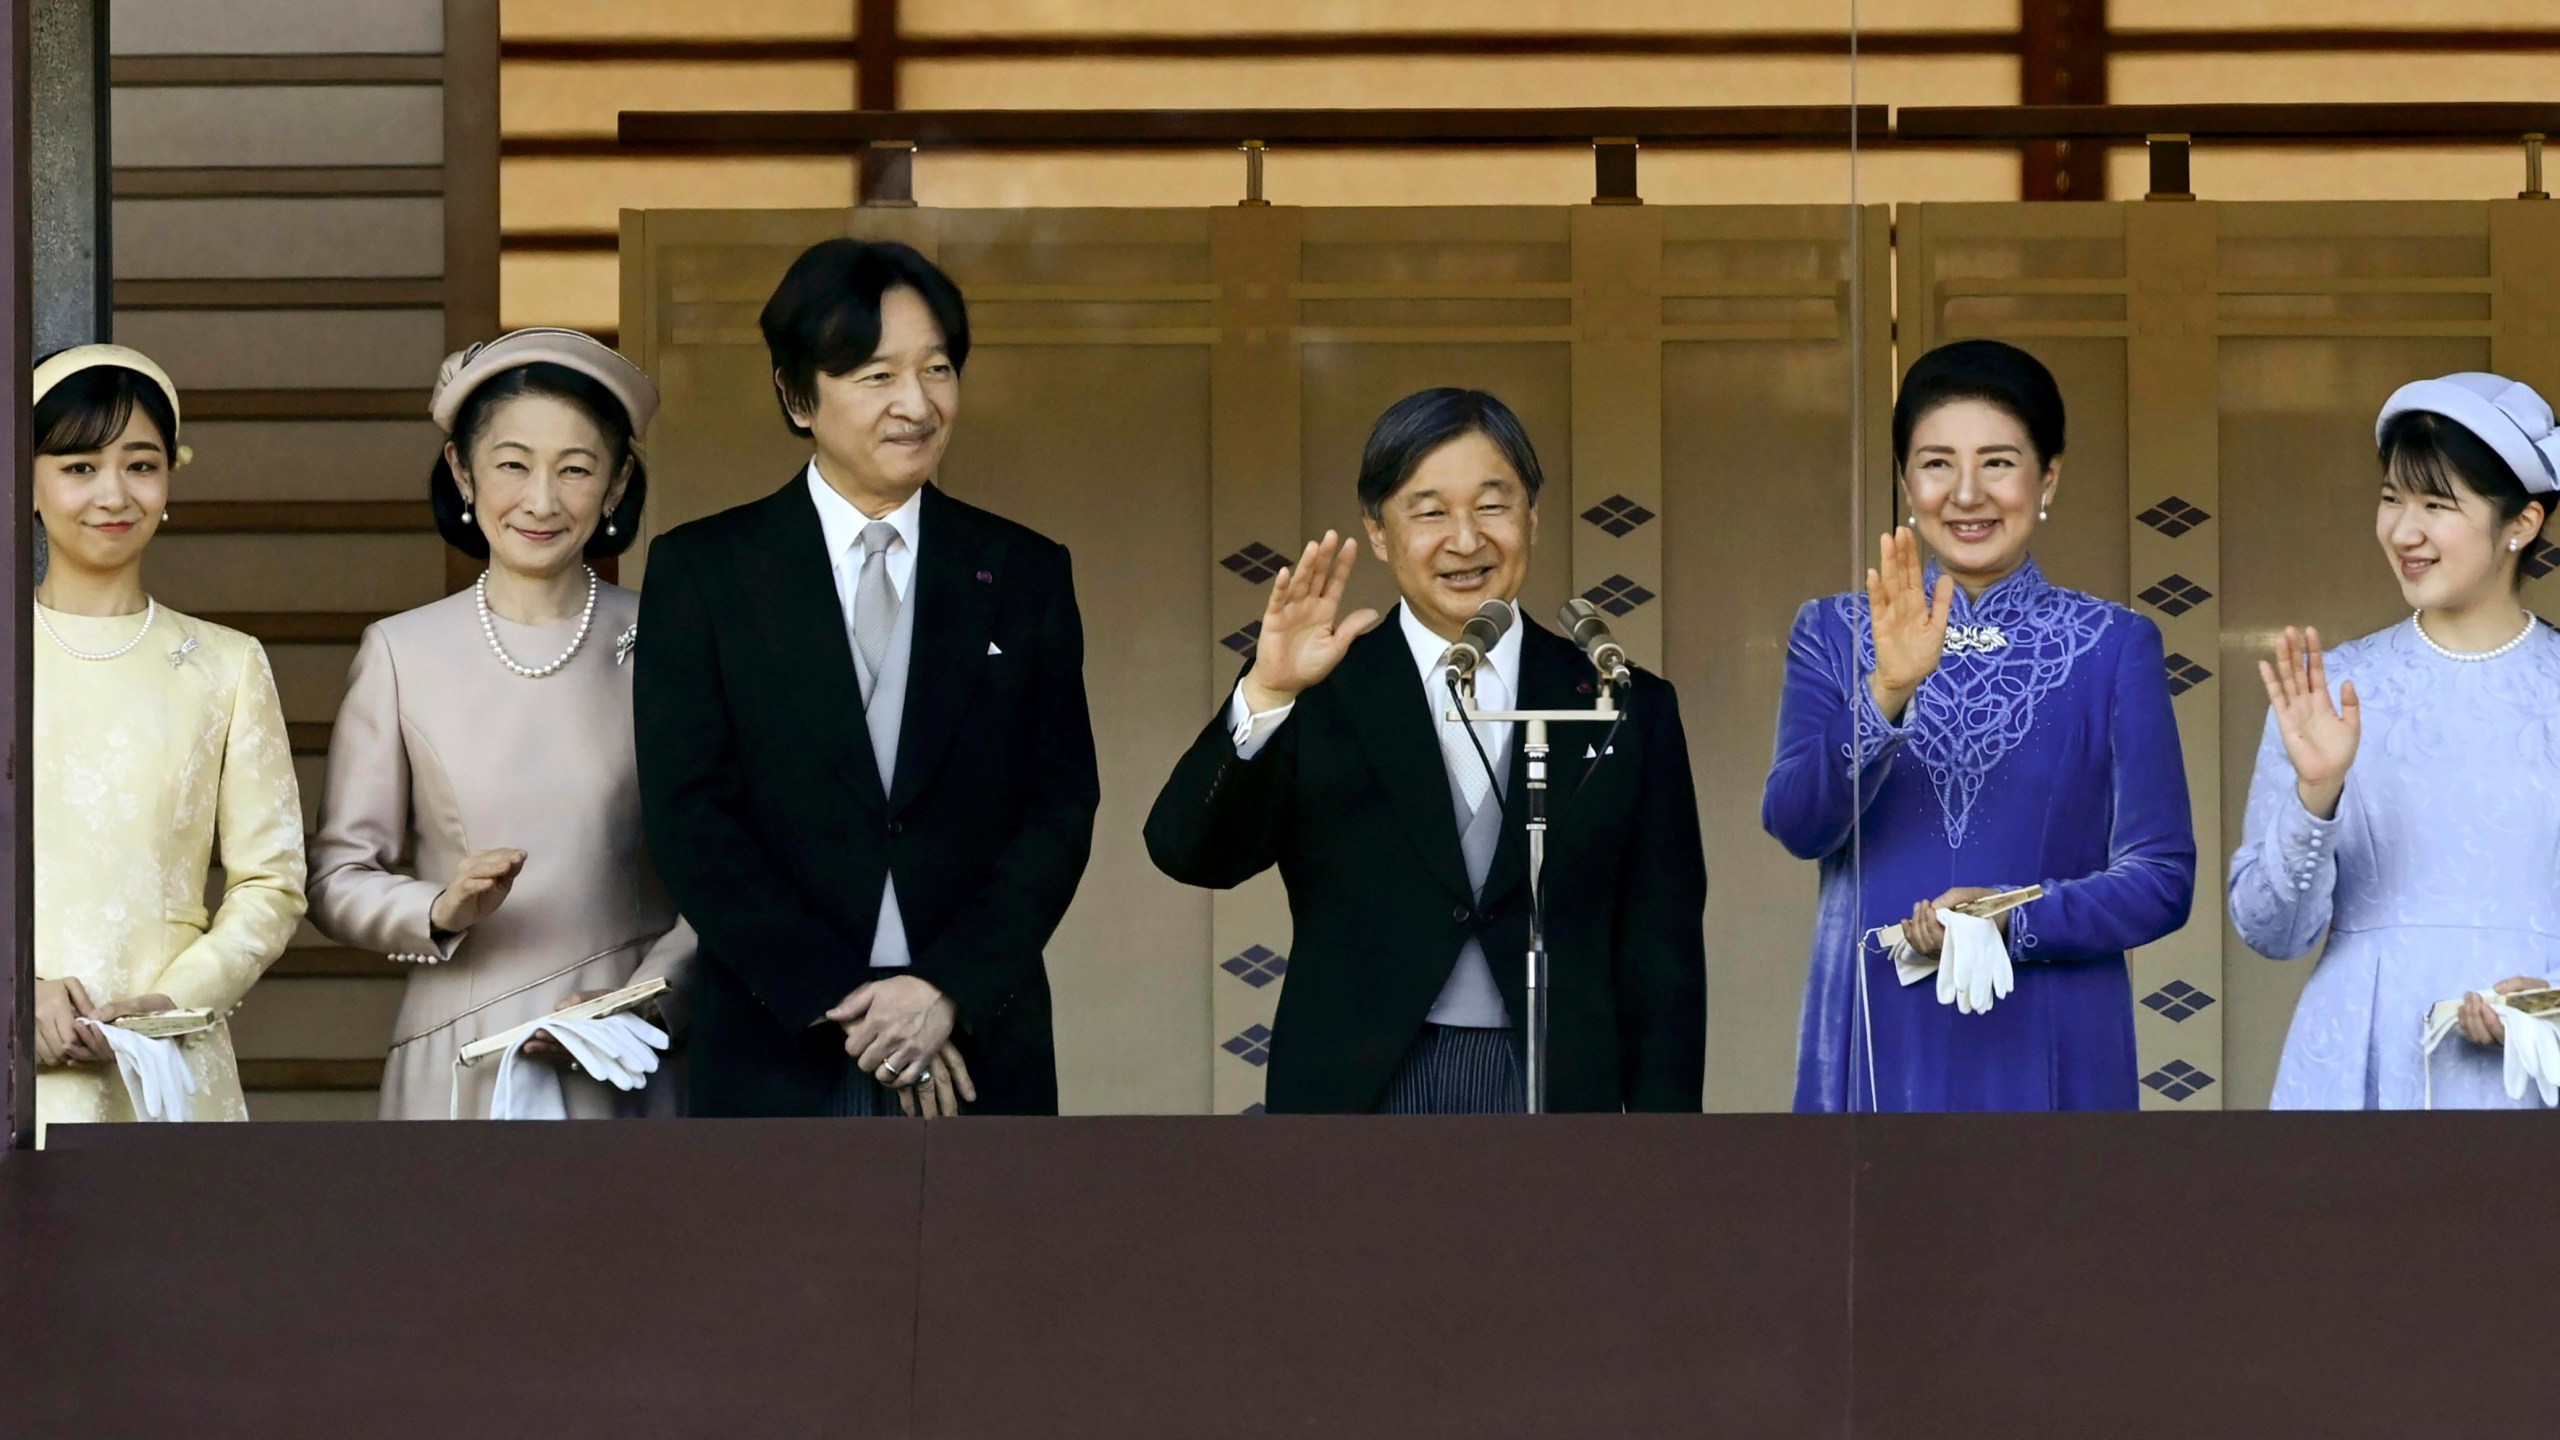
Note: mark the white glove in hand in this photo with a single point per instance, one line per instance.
(156, 1077)
(1973, 964)
(2533, 1053)
(619, 1050)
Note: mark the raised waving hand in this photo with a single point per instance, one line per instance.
(2320, 736)
(1302, 639)
(1910, 626)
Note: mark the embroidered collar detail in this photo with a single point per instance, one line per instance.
(2005, 653)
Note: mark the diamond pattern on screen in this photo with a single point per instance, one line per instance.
(2176, 595)
(1256, 967)
(2177, 1000)
(1618, 515)
(1256, 562)
(2178, 1080)
(2184, 674)
(1617, 595)
(1252, 1046)
(2174, 517)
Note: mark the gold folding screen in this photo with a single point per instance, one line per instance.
(1181, 396)
(2223, 363)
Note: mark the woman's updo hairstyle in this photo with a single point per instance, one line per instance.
(87, 410)
(1996, 374)
(616, 529)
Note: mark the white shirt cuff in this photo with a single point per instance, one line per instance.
(1252, 729)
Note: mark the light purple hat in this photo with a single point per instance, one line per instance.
(467, 370)
(2507, 415)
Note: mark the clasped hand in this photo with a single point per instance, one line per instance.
(898, 1031)
(60, 1007)
(1926, 936)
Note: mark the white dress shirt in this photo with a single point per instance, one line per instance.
(842, 523)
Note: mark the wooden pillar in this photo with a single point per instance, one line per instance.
(2173, 492)
(1254, 493)
(2062, 60)
(17, 529)
(1617, 424)
(887, 174)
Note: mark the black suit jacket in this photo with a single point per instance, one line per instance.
(1350, 799)
(767, 819)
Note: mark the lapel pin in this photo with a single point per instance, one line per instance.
(1583, 689)
(986, 577)
(179, 656)
(625, 643)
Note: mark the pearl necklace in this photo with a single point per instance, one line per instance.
(2470, 657)
(150, 612)
(489, 628)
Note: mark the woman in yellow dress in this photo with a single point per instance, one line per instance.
(159, 748)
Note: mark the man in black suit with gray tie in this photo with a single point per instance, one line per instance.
(1402, 843)
(866, 762)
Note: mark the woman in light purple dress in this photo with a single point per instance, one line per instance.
(2407, 795)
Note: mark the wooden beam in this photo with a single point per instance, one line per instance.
(299, 627)
(2450, 120)
(816, 132)
(559, 242)
(141, 183)
(1295, 45)
(323, 294)
(300, 517)
(137, 71)
(306, 404)
(334, 962)
(886, 176)
(2439, 40)
(256, 1075)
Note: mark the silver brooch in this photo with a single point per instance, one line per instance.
(625, 643)
(1975, 639)
(185, 648)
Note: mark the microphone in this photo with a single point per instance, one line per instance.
(1583, 622)
(1476, 641)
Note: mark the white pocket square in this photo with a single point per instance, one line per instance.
(994, 649)
(1588, 753)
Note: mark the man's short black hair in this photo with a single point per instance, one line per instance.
(1992, 372)
(1424, 421)
(824, 318)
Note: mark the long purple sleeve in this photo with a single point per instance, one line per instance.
(1828, 729)
(2149, 882)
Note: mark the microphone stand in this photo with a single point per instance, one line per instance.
(1533, 745)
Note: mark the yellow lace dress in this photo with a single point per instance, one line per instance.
(148, 769)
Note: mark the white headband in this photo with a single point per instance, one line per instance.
(2507, 415)
(62, 366)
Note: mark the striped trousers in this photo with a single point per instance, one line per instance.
(1458, 1071)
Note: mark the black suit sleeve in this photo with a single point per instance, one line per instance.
(994, 946)
(1218, 820)
(1662, 952)
(693, 808)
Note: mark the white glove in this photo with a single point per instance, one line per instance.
(156, 1077)
(618, 1050)
(2533, 1053)
(1973, 964)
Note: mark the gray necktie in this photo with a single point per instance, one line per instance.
(875, 601)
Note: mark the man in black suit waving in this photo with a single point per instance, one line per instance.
(1403, 848)
(866, 763)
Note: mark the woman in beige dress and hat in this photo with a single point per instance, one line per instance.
(481, 817)
(159, 749)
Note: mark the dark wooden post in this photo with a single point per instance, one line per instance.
(17, 527)
(2062, 60)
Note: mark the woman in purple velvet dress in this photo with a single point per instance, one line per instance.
(1969, 728)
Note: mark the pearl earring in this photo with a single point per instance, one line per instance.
(2043, 513)
(2515, 545)
(466, 512)
(609, 530)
